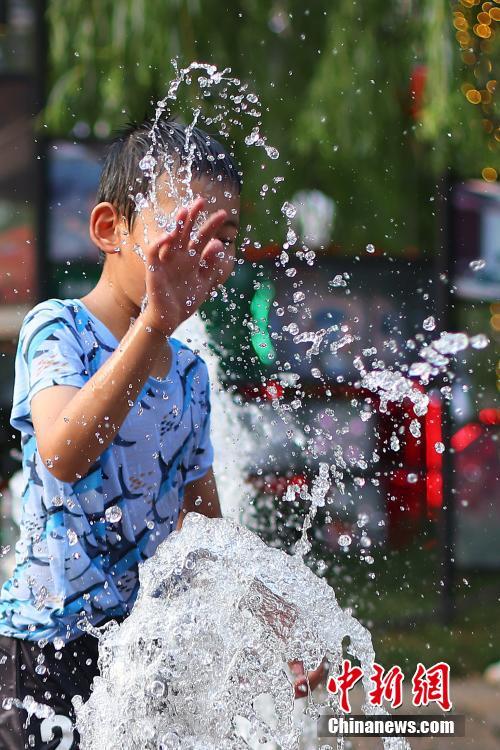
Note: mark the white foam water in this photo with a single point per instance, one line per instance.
(218, 617)
(236, 442)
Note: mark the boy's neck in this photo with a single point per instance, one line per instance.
(110, 307)
(115, 310)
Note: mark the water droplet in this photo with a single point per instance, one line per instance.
(157, 688)
(477, 265)
(480, 341)
(337, 280)
(254, 139)
(415, 428)
(395, 445)
(272, 152)
(141, 202)
(288, 209)
(148, 163)
(72, 536)
(113, 514)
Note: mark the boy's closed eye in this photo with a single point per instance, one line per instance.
(227, 241)
(228, 233)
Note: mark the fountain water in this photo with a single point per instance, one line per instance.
(218, 616)
(219, 613)
(236, 442)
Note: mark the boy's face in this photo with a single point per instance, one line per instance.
(128, 268)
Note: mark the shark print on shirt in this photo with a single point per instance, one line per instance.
(77, 559)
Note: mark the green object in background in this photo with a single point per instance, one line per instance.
(259, 307)
(351, 118)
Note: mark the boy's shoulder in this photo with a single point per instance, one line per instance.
(68, 313)
(52, 304)
(46, 320)
(51, 309)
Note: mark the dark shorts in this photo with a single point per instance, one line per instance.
(51, 678)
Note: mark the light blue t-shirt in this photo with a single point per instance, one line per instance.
(81, 543)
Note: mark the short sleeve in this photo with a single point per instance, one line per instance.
(202, 456)
(50, 352)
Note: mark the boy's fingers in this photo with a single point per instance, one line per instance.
(301, 688)
(165, 242)
(209, 263)
(216, 264)
(208, 229)
(296, 667)
(193, 212)
(209, 260)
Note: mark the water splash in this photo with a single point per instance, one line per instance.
(219, 614)
(235, 104)
(236, 430)
(178, 169)
(393, 387)
(218, 617)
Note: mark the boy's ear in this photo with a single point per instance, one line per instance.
(104, 227)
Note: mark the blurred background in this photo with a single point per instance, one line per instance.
(386, 118)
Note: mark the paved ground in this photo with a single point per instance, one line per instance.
(473, 697)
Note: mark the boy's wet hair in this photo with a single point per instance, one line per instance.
(122, 178)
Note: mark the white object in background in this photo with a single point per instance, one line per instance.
(492, 673)
(234, 444)
(16, 487)
(314, 217)
(12, 503)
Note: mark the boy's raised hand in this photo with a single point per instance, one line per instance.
(181, 270)
(304, 684)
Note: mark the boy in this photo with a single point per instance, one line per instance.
(114, 415)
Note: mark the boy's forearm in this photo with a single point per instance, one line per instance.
(89, 422)
(206, 489)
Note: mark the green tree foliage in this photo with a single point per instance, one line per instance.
(334, 79)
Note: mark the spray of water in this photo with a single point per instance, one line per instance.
(219, 613)
(218, 616)
(236, 431)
